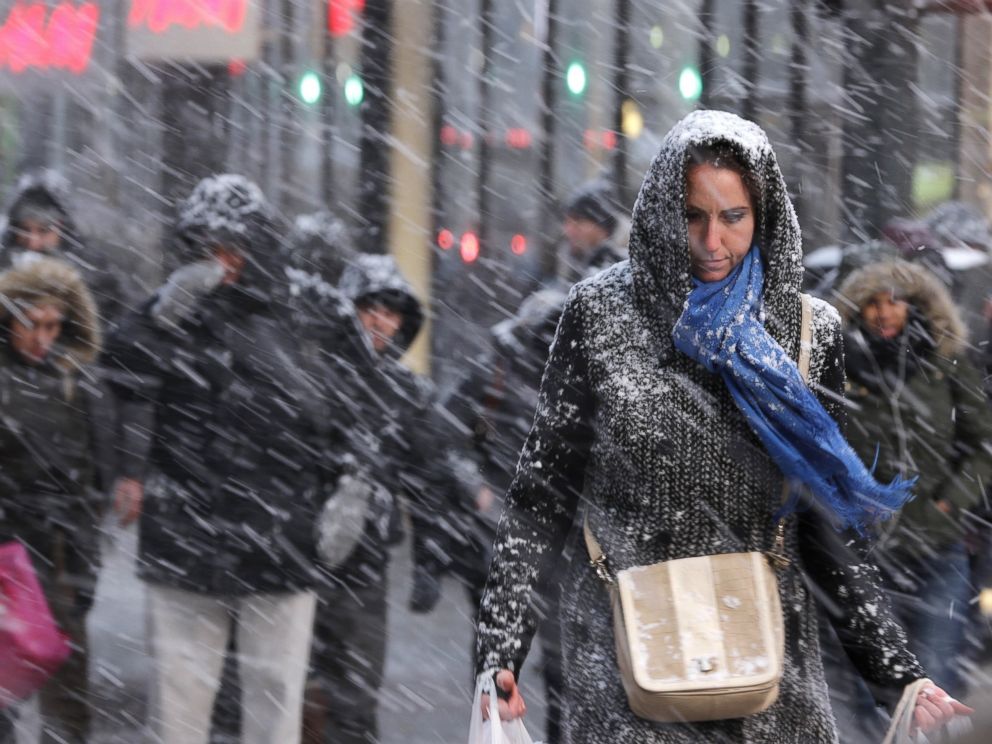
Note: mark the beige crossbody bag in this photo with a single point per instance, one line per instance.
(701, 639)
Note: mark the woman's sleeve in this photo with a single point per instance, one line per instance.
(847, 582)
(542, 500)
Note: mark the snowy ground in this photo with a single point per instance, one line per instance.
(425, 700)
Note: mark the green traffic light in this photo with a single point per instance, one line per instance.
(690, 83)
(310, 88)
(354, 90)
(576, 79)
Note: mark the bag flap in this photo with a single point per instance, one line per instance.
(695, 624)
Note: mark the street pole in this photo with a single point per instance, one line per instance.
(548, 131)
(482, 199)
(327, 108)
(706, 69)
(798, 104)
(750, 68)
(621, 85)
(409, 194)
(376, 116)
(879, 140)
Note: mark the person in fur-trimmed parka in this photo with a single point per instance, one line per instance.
(56, 456)
(40, 221)
(668, 465)
(921, 411)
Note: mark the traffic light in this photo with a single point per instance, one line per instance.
(690, 83)
(469, 247)
(354, 90)
(341, 15)
(310, 88)
(575, 78)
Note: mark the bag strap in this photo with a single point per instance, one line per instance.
(805, 337)
(902, 718)
(597, 558)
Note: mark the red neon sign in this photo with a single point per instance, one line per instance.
(64, 42)
(341, 15)
(161, 15)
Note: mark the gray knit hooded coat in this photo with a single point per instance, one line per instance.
(656, 451)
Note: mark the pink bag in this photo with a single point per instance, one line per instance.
(32, 647)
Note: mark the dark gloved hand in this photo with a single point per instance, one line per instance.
(426, 590)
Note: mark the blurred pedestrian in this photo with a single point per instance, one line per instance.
(495, 403)
(408, 467)
(669, 433)
(230, 447)
(56, 450)
(919, 411)
(40, 222)
(965, 241)
(320, 248)
(589, 222)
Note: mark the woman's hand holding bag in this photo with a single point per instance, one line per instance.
(924, 709)
(496, 721)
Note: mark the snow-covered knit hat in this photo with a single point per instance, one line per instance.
(231, 210)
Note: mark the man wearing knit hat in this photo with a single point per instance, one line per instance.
(589, 223)
(229, 387)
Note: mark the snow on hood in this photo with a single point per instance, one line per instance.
(49, 187)
(372, 275)
(659, 245)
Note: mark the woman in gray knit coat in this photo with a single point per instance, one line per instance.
(657, 450)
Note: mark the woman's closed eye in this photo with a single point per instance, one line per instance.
(732, 216)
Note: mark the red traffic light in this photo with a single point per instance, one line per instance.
(445, 240)
(469, 247)
(341, 15)
(518, 244)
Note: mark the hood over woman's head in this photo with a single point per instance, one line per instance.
(659, 238)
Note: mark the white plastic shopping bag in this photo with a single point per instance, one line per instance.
(493, 731)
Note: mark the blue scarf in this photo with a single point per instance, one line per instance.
(721, 328)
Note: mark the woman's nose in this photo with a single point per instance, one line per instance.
(713, 236)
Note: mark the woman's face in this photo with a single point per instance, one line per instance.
(884, 315)
(720, 220)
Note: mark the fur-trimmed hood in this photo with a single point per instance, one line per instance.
(915, 285)
(48, 280)
(659, 240)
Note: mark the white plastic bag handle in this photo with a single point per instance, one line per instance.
(493, 731)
